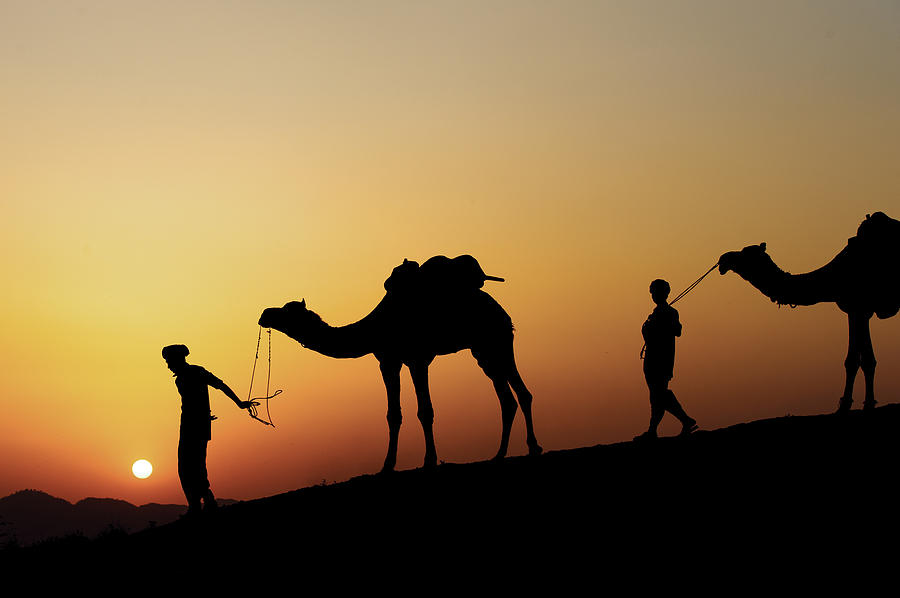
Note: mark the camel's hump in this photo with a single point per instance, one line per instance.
(879, 228)
(875, 252)
(438, 273)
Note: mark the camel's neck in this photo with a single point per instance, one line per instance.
(341, 342)
(353, 340)
(791, 289)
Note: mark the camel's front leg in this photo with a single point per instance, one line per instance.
(390, 371)
(524, 397)
(851, 364)
(859, 353)
(419, 373)
(867, 361)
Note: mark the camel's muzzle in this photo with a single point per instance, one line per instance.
(267, 319)
(725, 262)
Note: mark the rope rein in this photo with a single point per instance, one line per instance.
(682, 294)
(687, 290)
(254, 403)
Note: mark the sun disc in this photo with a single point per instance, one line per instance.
(142, 469)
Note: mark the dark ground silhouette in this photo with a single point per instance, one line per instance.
(774, 497)
(863, 280)
(434, 309)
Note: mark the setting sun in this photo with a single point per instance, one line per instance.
(142, 469)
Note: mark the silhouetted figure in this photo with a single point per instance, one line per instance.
(192, 382)
(863, 280)
(659, 331)
(434, 309)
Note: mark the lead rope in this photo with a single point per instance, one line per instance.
(254, 403)
(268, 378)
(682, 294)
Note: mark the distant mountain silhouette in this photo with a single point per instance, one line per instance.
(32, 515)
(775, 496)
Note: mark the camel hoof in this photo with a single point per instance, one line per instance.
(844, 405)
(869, 405)
(535, 450)
(498, 457)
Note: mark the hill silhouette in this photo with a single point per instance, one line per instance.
(785, 492)
(32, 515)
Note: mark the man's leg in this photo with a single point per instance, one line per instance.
(187, 473)
(192, 472)
(209, 501)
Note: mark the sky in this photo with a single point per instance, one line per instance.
(170, 169)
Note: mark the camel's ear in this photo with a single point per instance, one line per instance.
(303, 303)
(762, 246)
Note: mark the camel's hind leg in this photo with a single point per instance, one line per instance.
(500, 367)
(525, 397)
(507, 412)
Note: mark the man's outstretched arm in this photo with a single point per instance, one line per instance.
(218, 384)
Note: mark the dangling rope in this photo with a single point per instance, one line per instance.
(682, 294)
(254, 403)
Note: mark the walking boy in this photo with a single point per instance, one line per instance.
(659, 331)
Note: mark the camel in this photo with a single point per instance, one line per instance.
(863, 280)
(411, 326)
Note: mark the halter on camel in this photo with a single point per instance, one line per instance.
(255, 402)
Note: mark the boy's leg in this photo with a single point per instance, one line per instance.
(657, 389)
(688, 423)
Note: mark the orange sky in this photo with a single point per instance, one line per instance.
(168, 170)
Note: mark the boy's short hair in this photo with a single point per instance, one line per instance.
(660, 286)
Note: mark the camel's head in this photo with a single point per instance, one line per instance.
(292, 317)
(739, 260)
